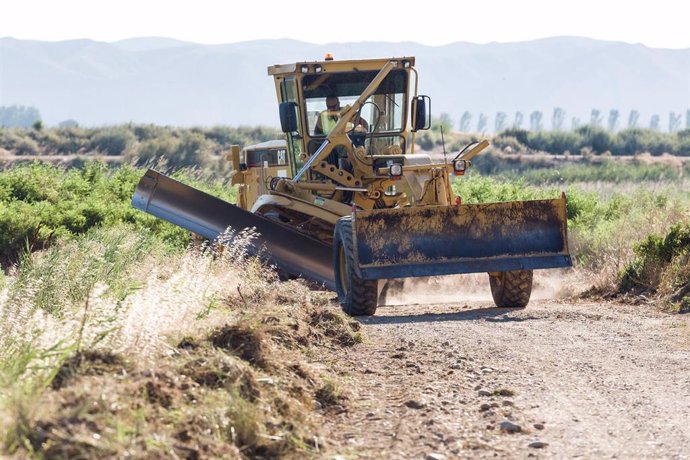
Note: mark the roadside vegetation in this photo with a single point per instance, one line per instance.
(629, 238)
(112, 345)
(661, 267)
(119, 338)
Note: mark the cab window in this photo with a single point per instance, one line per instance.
(383, 112)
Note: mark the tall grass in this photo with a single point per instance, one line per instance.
(114, 285)
(54, 302)
(77, 315)
(113, 289)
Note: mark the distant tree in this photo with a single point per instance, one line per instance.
(687, 119)
(68, 124)
(535, 120)
(613, 119)
(595, 137)
(482, 122)
(633, 119)
(447, 122)
(557, 119)
(37, 125)
(193, 150)
(596, 118)
(444, 120)
(465, 121)
(500, 122)
(113, 141)
(517, 123)
(574, 123)
(674, 121)
(654, 122)
(18, 116)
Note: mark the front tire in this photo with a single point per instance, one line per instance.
(357, 296)
(511, 289)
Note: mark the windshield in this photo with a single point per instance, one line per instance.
(327, 94)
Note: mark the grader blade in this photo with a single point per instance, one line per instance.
(442, 240)
(209, 216)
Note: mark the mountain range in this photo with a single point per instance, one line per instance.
(171, 82)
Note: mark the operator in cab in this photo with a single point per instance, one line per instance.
(327, 119)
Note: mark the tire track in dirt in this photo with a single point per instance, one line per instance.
(587, 379)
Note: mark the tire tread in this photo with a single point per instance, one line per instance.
(362, 298)
(513, 289)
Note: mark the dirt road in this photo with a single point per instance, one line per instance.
(559, 379)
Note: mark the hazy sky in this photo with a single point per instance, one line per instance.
(661, 23)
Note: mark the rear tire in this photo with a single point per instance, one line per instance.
(511, 289)
(357, 296)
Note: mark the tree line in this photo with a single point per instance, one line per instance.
(141, 144)
(537, 121)
(201, 146)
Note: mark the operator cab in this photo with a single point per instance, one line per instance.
(381, 127)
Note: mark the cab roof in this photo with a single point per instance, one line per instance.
(336, 65)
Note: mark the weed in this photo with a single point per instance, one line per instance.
(330, 394)
(504, 392)
(661, 262)
(91, 362)
(684, 305)
(242, 340)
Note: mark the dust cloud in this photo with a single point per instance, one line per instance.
(548, 284)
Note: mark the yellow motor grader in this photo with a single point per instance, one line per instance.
(344, 200)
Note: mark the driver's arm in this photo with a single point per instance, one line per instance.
(318, 129)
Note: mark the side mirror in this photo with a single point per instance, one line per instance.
(288, 116)
(421, 116)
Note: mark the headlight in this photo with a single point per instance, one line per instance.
(459, 167)
(395, 169)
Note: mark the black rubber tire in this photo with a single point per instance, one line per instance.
(357, 297)
(511, 289)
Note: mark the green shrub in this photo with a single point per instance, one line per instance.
(426, 140)
(475, 188)
(30, 183)
(596, 138)
(653, 256)
(193, 150)
(40, 203)
(505, 141)
(27, 146)
(148, 132)
(152, 150)
(113, 141)
(225, 136)
(71, 141)
(520, 135)
(556, 141)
